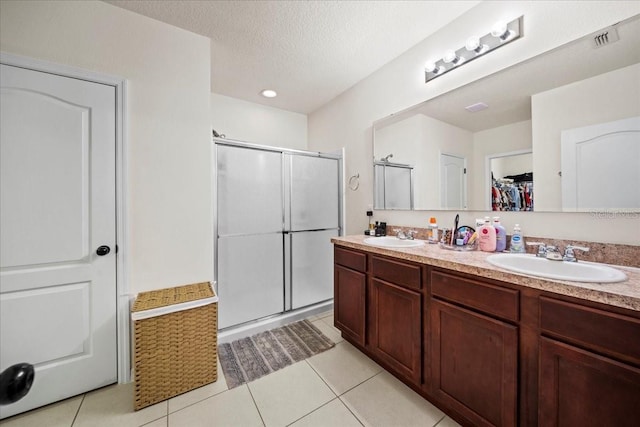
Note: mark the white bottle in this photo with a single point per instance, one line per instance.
(433, 231)
(517, 241)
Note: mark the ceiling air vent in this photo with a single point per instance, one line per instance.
(479, 106)
(605, 37)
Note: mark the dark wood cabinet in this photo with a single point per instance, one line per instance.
(487, 352)
(349, 302)
(395, 322)
(581, 388)
(350, 293)
(588, 366)
(474, 361)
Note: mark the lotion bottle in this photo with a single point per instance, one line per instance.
(487, 237)
(517, 242)
(501, 235)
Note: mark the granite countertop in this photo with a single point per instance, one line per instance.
(622, 294)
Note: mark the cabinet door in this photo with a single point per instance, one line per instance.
(349, 302)
(580, 388)
(474, 364)
(396, 331)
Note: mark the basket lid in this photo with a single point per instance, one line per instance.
(172, 296)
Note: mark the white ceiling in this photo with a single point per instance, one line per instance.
(308, 51)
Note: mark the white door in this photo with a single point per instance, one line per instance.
(598, 159)
(453, 183)
(57, 185)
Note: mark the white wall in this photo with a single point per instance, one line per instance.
(259, 124)
(600, 99)
(347, 120)
(168, 146)
(511, 165)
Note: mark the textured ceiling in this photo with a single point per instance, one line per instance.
(308, 51)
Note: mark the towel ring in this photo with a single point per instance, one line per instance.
(354, 182)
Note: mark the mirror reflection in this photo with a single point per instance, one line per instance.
(559, 132)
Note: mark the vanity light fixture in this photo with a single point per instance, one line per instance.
(501, 34)
(269, 93)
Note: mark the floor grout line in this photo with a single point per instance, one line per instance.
(196, 402)
(441, 419)
(321, 379)
(349, 409)
(75, 417)
(256, 404)
(318, 408)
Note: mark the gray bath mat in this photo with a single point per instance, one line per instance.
(250, 358)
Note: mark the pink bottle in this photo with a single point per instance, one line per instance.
(487, 236)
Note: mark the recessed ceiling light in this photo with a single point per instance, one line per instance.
(269, 93)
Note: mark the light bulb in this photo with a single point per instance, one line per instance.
(430, 67)
(450, 56)
(500, 30)
(473, 43)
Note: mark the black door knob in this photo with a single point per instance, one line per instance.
(15, 382)
(103, 250)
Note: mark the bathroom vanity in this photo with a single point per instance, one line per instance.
(490, 347)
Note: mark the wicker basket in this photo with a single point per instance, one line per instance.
(176, 341)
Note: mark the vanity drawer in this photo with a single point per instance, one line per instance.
(351, 259)
(608, 333)
(485, 297)
(396, 272)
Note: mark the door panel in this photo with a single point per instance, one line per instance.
(398, 187)
(349, 303)
(453, 182)
(609, 391)
(250, 193)
(312, 267)
(250, 278)
(62, 235)
(62, 330)
(474, 364)
(606, 150)
(57, 192)
(314, 193)
(396, 319)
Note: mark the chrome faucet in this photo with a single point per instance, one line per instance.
(570, 256)
(400, 234)
(405, 235)
(542, 249)
(553, 253)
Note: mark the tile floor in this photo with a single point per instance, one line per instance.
(340, 387)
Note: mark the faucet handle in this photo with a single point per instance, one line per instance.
(542, 248)
(570, 256)
(411, 234)
(400, 234)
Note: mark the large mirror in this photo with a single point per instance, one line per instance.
(557, 133)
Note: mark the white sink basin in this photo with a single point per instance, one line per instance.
(392, 242)
(581, 271)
